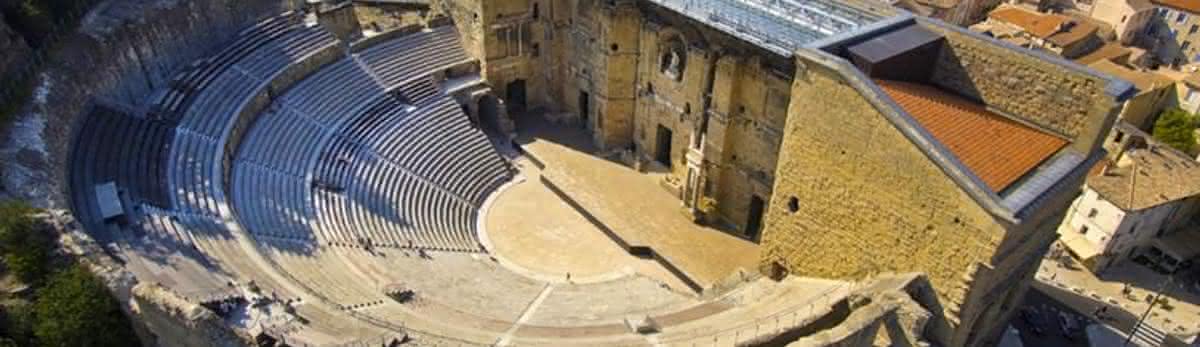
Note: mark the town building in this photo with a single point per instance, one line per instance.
(1135, 203)
(1128, 18)
(1112, 52)
(957, 12)
(1155, 92)
(1176, 32)
(1055, 33)
(1188, 92)
(1187, 89)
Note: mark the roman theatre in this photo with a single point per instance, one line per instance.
(582, 172)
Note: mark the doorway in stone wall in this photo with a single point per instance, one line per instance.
(754, 217)
(585, 108)
(662, 152)
(489, 112)
(515, 96)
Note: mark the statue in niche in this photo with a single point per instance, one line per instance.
(673, 60)
(673, 68)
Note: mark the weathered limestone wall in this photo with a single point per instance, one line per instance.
(172, 321)
(611, 57)
(674, 100)
(889, 318)
(599, 47)
(855, 197)
(616, 85)
(866, 199)
(470, 26)
(339, 19)
(1014, 82)
(383, 17)
(761, 94)
(124, 50)
(750, 91)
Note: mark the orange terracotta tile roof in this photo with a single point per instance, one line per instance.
(998, 150)
(1046, 26)
(1192, 6)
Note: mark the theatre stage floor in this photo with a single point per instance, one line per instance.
(548, 234)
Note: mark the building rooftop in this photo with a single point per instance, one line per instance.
(1192, 79)
(781, 26)
(1058, 29)
(1146, 175)
(996, 149)
(1145, 81)
(1140, 4)
(1192, 6)
(1108, 52)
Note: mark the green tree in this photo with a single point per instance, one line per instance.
(75, 309)
(26, 249)
(17, 323)
(1176, 128)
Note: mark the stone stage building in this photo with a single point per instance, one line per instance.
(848, 139)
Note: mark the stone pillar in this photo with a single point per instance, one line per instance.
(720, 106)
(338, 17)
(616, 88)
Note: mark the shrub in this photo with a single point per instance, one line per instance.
(26, 249)
(75, 309)
(1176, 128)
(17, 324)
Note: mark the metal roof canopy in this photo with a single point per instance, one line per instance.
(781, 26)
(893, 43)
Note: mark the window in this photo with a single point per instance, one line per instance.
(510, 38)
(1124, 18)
(1120, 136)
(1093, 213)
(1182, 17)
(1083, 230)
(793, 204)
(1193, 29)
(1185, 45)
(536, 12)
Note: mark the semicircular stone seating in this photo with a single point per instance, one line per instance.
(177, 229)
(366, 151)
(369, 151)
